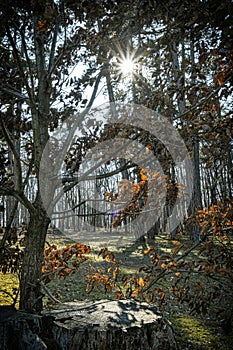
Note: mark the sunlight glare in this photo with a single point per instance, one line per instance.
(127, 66)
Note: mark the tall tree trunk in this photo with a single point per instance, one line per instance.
(30, 291)
(31, 272)
(197, 198)
(196, 203)
(229, 172)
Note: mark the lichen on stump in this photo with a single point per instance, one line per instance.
(105, 324)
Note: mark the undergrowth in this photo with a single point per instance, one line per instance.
(193, 330)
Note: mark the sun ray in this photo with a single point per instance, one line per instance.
(127, 66)
(126, 60)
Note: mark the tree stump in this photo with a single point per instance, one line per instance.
(99, 325)
(105, 324)
(19, 330)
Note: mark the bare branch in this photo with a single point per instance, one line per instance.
(47, 291)
(53, 47)
(127, 166)
(14, 92)
(19, 63)
(15, 153)
(13, 211)
(7, 191)
(24, 46)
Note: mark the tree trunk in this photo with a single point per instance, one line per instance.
(30, 291)
(197, 200)
(229, 171)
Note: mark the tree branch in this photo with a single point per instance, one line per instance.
(19, 63)
(24, 46)
(203, 100)
(15, 153)
(12, 214)
(47, 291)
(14, 92)
(72, 132)
(6, 191)
(53, 47)
(94, 92)
(52, 63)
(101, 176)
(165, 271)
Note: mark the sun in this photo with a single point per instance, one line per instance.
(127, 66)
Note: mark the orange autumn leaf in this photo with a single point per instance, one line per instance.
(201, 285)
(176, 243)
(172, 263)
(115, 272)
(134, 294)
(223, 271)
(162, 297)
(42, 26)
(143, 175)
(149, 147)
(147, 250)
(141, 282)
(118, 294)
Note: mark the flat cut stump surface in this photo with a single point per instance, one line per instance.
(105, 324)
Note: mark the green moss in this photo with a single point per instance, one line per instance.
(193, 333)
(9, 283)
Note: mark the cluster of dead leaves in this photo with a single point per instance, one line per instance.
(64, 261)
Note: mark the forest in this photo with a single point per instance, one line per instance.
(116, 159)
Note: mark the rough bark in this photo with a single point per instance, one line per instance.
(105, 324)
(30, 294)
(31, 297)
(19, 330)
(197, 201)
(100, 325)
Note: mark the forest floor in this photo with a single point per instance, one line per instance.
(191, 331)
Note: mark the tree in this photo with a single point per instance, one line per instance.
(41, 43)
(177, 55)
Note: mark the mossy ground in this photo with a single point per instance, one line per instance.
(199, 333)
(192, 332)
(8, 288)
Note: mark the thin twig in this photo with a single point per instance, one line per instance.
(47, 291)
